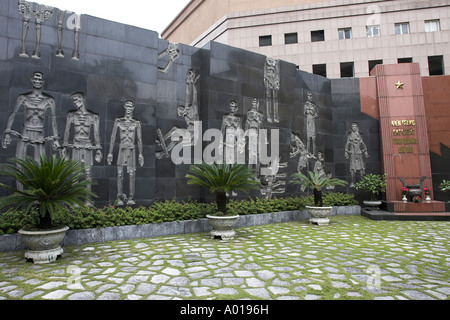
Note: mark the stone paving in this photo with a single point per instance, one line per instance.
(352, 258)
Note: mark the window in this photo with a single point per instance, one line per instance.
(373, 63)
(432, 26)
(402, 28)
(373, 31)
(436, 65)
(345, 33)
(265, 41)
(318, 35)
(290, 38)
(347, 69)
(320, 69)
(404, 60)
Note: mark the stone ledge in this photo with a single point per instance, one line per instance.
(13, 242)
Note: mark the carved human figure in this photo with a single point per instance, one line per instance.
(232, 133)
(43, 13)
(318, 165)
(253, 124)
(26, 11)
(173, 53)
(82, 120)
(129, 129)
(298, 147)
(271, 183)
(355, 151)
(272, 84)
(190, 114)
(35, 103)
(311, 113)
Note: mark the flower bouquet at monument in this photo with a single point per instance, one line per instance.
(405, 191)
(427, 192)
(417, 199)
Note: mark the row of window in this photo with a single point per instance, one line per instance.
(435, 66)
(346, 33)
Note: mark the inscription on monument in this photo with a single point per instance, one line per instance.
(403, 131)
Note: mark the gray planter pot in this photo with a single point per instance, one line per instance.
(319, 215)
(373, 205)
(43, 245)
(223, 226)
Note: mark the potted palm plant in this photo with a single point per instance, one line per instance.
(221, 179)
(319, 213)
(45, 186)
(374, 185)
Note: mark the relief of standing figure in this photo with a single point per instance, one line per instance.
(272, 84)
(35, 103)
(356, 151)
(129, 129)
(82, 147)
(311, 113)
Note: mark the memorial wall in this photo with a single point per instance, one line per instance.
(138, 110)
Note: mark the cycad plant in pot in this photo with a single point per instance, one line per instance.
(319, 213)
(46, 186)
(374, 185)
(221, 179)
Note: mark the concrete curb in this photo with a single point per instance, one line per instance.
(13, 242)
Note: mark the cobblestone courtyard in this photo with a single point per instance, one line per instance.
(352, 258)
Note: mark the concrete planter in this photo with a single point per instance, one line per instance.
(372, 205)
(319, 215)
(222, 226)
(43, 245)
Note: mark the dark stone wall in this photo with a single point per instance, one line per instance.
(119, 62)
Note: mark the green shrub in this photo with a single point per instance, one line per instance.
(85, 217)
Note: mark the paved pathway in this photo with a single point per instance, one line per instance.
(353, 258)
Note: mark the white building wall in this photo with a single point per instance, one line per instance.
(244, 29)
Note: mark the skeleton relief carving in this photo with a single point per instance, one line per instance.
(190, 114)
(356, 151)
(74, 23)
(35, 103)
(42, 13)
(129, 129)
(82, 120)
(173, 53)
(272, 84)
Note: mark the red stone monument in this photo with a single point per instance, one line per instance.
(394, 95)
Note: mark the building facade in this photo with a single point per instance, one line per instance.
(335, 39)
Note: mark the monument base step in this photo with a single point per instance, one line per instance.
(406, 216)
(412, 207)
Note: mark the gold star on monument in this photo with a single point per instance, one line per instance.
(399, 85)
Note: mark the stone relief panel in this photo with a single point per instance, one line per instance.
(84, 124)
(190, 114)
(129, 131)
(272, 85)
(356, 152)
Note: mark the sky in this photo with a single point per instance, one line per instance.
(154, 15)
